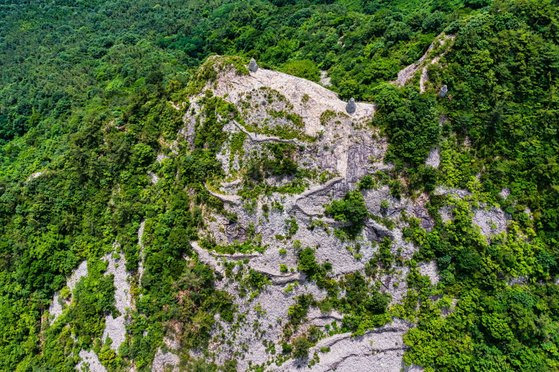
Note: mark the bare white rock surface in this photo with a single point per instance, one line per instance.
(406, 74)
(429, 269)
(55, 309)
(443, 190)
(153, 177)
(434, 158)
(35, 175)
(165, 361)
(325, 79)
(318, 99)
(378, 350)
(345, 147)
(90, 362)
(491, 221)
(504, 193)
(446, 213)
(342, 149)
(115, 328)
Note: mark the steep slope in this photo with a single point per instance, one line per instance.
(311, 245)
(275, 231)
(289, 148)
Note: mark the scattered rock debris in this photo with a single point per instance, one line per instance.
(491, 221)
(434, 158)
(405, 75)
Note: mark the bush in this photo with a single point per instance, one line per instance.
(352, 210)
(306, 69)
(301, 346)
(367, 182)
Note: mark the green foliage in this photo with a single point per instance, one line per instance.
(212, 67)
(298, 312)
(410, 122)
(280, 161)
(86, 101)
(365, 307)
(277, 160)
(492, 317)
(256, 280)
(301, 346)
(352, 210)
(291, 227)
(236, 247)
(305, 68)
(367, 182)
(199, 302)
(314, 271)
(93, 299)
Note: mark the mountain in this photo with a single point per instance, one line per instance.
(279, 185)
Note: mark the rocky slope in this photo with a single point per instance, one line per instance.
(333, 150)
(287, 148)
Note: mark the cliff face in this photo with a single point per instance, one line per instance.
(287, 149)
(302, 227)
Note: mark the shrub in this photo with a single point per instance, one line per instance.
(352, 210)
(367, 182)
(306, 69)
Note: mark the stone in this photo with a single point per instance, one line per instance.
(115, 327)
(490, 221)
(351, 106)
(345, 148)
(252, 65)
(434, 158)
(443, 92)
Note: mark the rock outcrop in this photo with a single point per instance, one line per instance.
(351, 107)
(405, 75)
(57, 306)
(275, 108)
(252, 65)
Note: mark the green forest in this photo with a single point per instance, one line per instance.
(85, 93)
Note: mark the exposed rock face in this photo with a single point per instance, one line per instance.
(378, 350)
(434, 159)
(165, 361)
(446, 213)
(408, 73)
(490, 221)
(153, 177)
(304, 98)
(35, 175)
(90, 362)
(442, 190)
(252, 65)
(55, 309)
(275, 108)
(504, 193)
(115, 328)
(325, 79)
(429, 269)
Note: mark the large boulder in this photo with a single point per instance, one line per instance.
(351, 106)
(443, 92)
(252, 65)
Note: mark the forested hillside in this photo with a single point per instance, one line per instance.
(98, 165)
